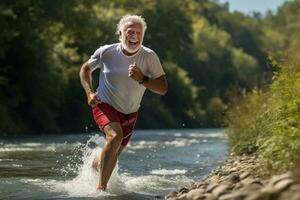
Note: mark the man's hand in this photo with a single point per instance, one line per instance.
(93, 99)
(135, 72)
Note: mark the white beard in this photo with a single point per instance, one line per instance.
(127, 48)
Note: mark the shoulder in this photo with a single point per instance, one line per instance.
(147, 51)
(107, 48)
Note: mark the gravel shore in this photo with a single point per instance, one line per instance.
(235, 180)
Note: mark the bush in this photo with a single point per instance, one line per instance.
(268, 123)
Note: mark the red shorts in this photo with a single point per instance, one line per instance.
(104, 114)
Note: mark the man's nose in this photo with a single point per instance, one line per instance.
(134, 34)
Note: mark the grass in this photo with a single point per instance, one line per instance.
(268, 123)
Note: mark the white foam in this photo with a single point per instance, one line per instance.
(208, 135)
(142, 145)
(152, 183)
(8, 149)
(177, 142)
(168, 171)
(85, 183)
(178, 134)
(36, 147)
(17, 165)
(181, 142)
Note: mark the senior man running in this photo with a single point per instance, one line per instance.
(126, 68)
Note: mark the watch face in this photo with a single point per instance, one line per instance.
(145, 79)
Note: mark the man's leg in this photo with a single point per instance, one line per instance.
(110, 152)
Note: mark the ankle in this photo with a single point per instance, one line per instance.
(101, 187)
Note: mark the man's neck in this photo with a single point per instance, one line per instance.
(128, 53)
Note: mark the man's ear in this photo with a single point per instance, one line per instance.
(120, 35)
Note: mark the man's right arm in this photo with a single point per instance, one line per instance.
(85, 75)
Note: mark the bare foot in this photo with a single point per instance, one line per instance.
(101, 188)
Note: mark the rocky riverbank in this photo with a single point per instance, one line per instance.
(235, 180)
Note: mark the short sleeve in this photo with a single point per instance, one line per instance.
(95, 60)
(155, 69)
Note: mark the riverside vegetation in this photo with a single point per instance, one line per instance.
(267, 122)
(209, 54)
(211, 57)
(264, 136)
(263, 130)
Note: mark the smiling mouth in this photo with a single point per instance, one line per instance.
(133, 42)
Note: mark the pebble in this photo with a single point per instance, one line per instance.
(234, 180)
(220, 190)
(195, 194)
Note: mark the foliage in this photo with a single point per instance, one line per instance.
(205, 50)
(267, 122)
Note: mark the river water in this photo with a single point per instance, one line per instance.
(154, 163)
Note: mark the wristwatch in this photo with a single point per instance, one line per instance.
(144, 80)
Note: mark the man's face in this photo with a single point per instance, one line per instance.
(132, 37)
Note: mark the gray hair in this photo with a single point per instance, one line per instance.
(131, 18)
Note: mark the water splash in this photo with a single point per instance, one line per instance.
(86, 181)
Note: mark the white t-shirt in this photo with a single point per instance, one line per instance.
(115, 87)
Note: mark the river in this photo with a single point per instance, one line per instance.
(154, 163)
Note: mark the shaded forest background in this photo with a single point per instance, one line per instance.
(210, 56)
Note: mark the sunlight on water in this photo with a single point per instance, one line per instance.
(85, 183)
(60, 167)
(86, 180)
(167, 172)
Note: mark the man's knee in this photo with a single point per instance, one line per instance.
(115, 140)
(114, 134)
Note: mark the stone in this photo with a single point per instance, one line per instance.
(170, 195)
(171, 198)
(209, 196)
(195, 194)
(220, 190)
(233, 196)
(234, 169)
(295, 187)
(183, 190)
(182, 197)
(233, 178)
(237, 186)
(249, 181)
(269, 189)
(200, 185)
(296, 197)
(211, 187)
(283, 184)
(289, 195)
(244, 175)
(214, 178)
(278, 178)
(258, 196)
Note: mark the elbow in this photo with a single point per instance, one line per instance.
(84, 69)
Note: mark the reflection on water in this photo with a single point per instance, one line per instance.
(154, 163)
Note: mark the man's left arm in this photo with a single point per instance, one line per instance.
(158, 85)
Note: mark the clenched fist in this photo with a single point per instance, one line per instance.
(135, 72)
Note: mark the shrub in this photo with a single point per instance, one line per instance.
(268, 123)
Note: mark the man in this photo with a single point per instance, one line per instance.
(126, 70)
